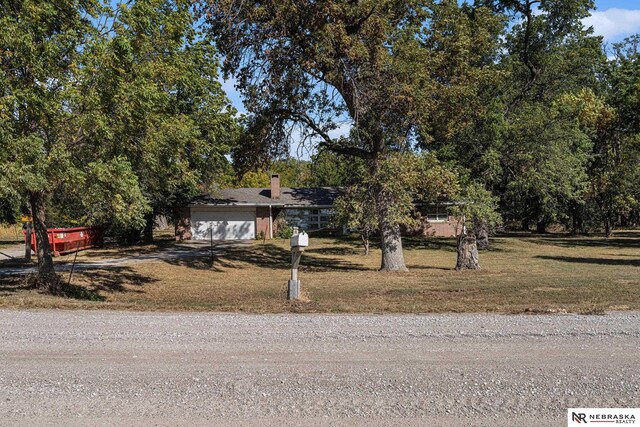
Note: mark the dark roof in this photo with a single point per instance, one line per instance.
(289, 196)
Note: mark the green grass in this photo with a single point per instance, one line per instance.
(537, 273)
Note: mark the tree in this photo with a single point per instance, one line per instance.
(160, 103)
(328, 169)
(116, 114)
(293, 173)
(622, 152)
(611, 121)
(521, 142)
(472, 203)
(42, 44)
(315, 64)
(409, 178)
(354, 209)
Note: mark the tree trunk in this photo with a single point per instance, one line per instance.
(541, 227)
(365, 241)
(624, 221)
(46, 279)
(390, 238)
(391, 245)
(481, 231)
(607, 226)
(27, 241)
(525, 224)
(467, 252)
(147, 233)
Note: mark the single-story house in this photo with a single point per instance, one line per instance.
(247, 213)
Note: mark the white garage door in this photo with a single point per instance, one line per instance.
(228, 224)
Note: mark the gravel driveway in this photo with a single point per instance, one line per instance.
(121, 368)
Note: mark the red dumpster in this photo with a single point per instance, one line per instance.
(66, 240)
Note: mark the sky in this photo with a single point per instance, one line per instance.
(614, 20)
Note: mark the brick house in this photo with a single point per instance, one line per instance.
(247, 213)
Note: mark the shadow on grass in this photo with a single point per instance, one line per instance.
(94, 283)
(267, 255)
(16, 262)
(9, 242)
(13, 284)
(621, 240)
(117, 250)
(612, 242)
(430, 267)
(436, 243)
(601, 261)
(80, 293)
(114, 279)
(336, 250)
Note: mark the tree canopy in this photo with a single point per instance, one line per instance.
(113, 113)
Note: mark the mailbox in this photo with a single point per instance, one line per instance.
(300, 240)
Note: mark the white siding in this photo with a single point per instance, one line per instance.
(226, 224)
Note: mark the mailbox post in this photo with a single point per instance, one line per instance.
(299, 241)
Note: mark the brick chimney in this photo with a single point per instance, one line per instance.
(275, 186)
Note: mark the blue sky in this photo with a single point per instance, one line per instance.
(615, 19)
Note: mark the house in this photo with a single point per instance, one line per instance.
(247, 213)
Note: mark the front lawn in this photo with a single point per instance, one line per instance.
(537, 273)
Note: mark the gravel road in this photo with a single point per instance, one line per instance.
(123, 368)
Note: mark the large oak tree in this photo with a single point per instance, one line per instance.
(378, 64)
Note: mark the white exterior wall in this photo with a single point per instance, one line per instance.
(231, 223)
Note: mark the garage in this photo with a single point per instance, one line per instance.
(223, 224)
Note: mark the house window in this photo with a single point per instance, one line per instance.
(309, 219)
(437, 213)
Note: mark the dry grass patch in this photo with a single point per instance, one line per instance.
(10, 235)
(520, 274)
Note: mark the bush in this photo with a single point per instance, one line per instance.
(285, 232)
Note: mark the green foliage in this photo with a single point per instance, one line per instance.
(160, 103)
(254, 179)
(112, 195)
(523, 141)
(611, 122)
(545, 172)
(123, 104)
(42, 51)
(355, 210)
(398, 182)
(293, 172)
(328, 169)
(475, 201)
(285, 232)
(9, 211)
